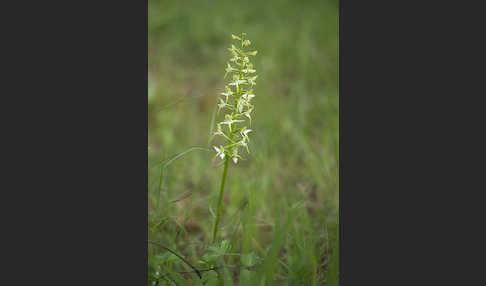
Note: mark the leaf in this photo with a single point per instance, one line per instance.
(166, 258)
(249, 259)
(212, 212)
(210, 256)
(221, 248)
(225, 246)
(209, 278)
(246, 277)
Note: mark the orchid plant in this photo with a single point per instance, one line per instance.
(236, 102)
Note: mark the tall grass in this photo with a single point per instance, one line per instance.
(280, 220)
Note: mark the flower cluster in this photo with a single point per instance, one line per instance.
(236, 101)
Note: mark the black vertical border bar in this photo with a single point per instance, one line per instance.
(145, 248)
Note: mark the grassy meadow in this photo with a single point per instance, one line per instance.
(281, 203)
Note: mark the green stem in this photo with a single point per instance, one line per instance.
(227, 158)
(220, 200)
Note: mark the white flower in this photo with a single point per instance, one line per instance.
(222, 104)
(235, 156)
(229, 122)
(229, 69)
(220, 152)
(243, 143)
(238, 82)
(247, 95)
(248, 71)
(247, 114)
(227, 93)
(251, 80)
(235, 59)
(245, 131)
(241, 102)
(219, 132)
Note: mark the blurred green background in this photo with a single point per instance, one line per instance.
(281, 202)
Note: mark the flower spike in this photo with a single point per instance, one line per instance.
(236, 100)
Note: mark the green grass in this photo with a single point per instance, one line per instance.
(281, 203)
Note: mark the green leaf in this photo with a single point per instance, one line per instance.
(210, 256)
(167, 258)
(209, 278)
(246, 277)
(221, 248)
(249, 259)
(225, 246)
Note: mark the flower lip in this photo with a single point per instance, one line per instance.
(238, 82)
(248, 95)
(220, 152)
(227, 93)
(246, 131)
(232, 121)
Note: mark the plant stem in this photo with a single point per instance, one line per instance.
(223, 180)
(220, 200)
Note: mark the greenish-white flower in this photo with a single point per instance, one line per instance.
(241, 103)
(235, 156)
(244, 133)
(248, 70)
(252, 80)
(247, 114)
(238, 82)
(222, 104)
(220, 151)
(229, 69)
(248, 96)
(229, 122)
(228, 93)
